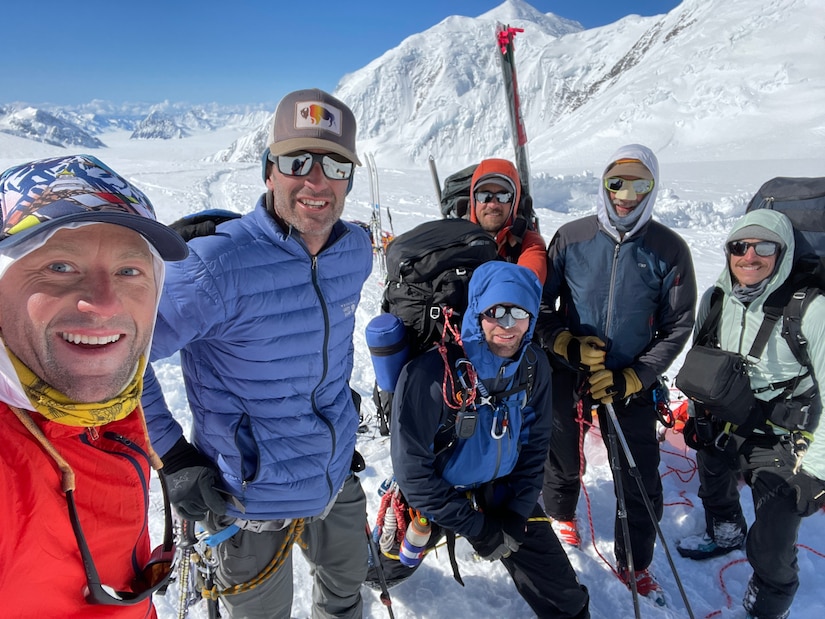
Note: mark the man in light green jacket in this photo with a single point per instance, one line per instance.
(784, 466)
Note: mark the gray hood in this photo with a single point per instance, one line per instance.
(605, 209)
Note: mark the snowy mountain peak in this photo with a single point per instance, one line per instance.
(41, 126)
(513, 12)
(700, 77)
(158, 126)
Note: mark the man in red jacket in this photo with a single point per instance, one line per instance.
(81, 270)
(495, 196)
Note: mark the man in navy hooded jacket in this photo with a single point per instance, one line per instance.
(616, 311)
(485, 486)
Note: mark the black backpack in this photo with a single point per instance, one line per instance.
(802, 200)
(455, 197)
(455, 201)
(429, 269)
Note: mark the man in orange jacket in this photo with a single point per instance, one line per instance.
(495, 196)
(81, 270)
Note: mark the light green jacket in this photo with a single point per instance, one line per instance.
(739, 326)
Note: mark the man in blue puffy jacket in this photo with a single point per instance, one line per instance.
(263, 313)
(616, 311)
(477, 471)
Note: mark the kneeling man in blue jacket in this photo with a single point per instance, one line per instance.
(471, 428)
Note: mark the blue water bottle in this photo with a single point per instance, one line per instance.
(387, 342)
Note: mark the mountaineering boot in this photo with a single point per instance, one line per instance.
(727, 536)
(700, 547)
(769, 607)
(567, 531)
(646, 584)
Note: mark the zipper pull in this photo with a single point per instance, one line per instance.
(92, 433)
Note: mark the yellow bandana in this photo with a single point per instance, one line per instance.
(59, 408)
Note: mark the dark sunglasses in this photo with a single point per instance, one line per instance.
(762, 248)
(502, 197)
(615, 183)
(300, 164)
(500, 311)
(153, 577)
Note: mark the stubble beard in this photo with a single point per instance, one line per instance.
(286, 207)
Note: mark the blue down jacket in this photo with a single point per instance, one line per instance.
(264, 332)
(434, 482)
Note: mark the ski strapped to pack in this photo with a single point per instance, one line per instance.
(504, 39)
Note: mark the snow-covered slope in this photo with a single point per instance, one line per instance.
(41, 126)
(708, 80)
(673, 82)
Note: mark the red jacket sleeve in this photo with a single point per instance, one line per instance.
(533, 254)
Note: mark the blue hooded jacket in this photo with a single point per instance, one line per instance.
(434, 483)
(494, 283)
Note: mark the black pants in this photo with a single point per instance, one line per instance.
(637, 420)
(771, 542)
(543, 575)
(540, 570)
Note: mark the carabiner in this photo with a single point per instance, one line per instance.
(498, 435)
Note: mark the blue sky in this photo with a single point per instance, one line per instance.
(227, 51)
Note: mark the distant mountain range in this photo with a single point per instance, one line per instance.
(77, 126)
(39, 125)
(711, 79)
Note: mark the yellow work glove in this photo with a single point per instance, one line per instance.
(584, 353)
(609, 385)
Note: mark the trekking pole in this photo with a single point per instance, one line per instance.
(634, 472)
(382, 578)
(616, 467)
(436, 183)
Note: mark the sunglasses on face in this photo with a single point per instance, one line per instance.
(502, 197)
(500, 311)
(615, 183)
(153, 577)
(762, 248)
(300, 164)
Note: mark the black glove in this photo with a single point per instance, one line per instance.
(493, 543)
(514, 525)
(779, 456)
(809, 492)
(700, 431)
(201, 224)
(191, 480)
